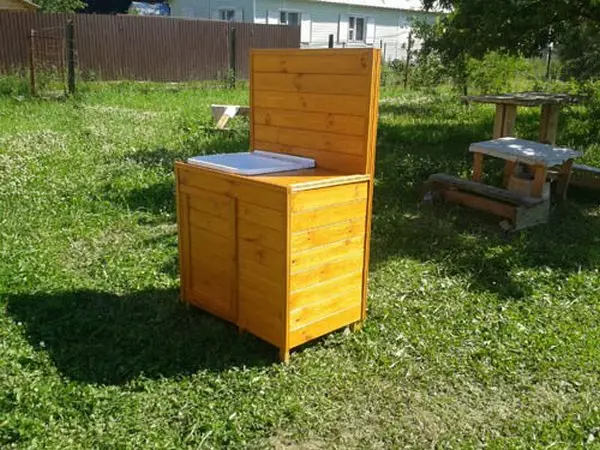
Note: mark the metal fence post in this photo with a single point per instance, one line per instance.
(408, 52)
(232, 41)
(70, 42)
(32, 86)
(331, 41)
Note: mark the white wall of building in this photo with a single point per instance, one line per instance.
(210, 9)
(384, 27)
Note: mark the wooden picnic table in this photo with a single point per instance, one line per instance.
(506, 111)
(537, 156)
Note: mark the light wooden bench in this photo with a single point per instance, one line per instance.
(223, 113)
(585, 176)
(520, 211)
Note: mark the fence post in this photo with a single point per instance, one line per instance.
(331, 41)
(70, 43)
(32, 86)
(408, 52)
(231, 74)
(549, 62)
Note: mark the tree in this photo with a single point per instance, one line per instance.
(523, 27)
(61, 5)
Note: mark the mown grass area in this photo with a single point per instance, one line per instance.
(474, 338)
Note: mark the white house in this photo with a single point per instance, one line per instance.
(353, 23)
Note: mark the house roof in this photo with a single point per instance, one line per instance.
(406, 5)
(26, 4)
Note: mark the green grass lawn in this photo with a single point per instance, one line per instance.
(474, 337)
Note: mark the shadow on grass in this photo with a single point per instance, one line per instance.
(99, 337)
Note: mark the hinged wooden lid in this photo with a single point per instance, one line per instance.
(321, 104)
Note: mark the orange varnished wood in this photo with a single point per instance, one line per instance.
(285, 256)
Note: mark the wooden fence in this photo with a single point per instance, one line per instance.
(145, 48)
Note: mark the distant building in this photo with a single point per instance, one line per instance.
(18, 5)
(353, 23)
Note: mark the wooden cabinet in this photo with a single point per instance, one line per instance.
(285, 256)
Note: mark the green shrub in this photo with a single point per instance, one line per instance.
(15, 84)
(497, 72)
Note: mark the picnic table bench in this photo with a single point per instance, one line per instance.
(223, 113)
(524, 199)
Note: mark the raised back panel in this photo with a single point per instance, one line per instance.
(316, 103)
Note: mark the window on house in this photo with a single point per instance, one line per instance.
(227, 14)
(356, 29)
(289, 18)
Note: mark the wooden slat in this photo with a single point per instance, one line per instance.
(335, 214)
(348, 164)
(317, 237)
(327, 197)
(358, 85)
(307, 314)
(316, 292)
(261, 194)
(319, 255)
(265, 217)
(263, 236)
(273, 291)
(503, 195)
(337, 143)
(255, 254)
(248, 189)
(260, 323)
(351, 64)
(203, 242)
(324, 326)
(328, 122)
(323, 103)
(480, 203)
(325, 272)
(210, 203)
(213, 224)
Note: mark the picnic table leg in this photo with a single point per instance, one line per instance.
(477, 167)
(539, 179)
(564, 178)
(509, 169)
(504, 124)
(549, 124)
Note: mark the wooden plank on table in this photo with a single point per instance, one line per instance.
(310, 313)
(315, 121)
(261, 235)
(336, 213)
(313, 84)
(316, 237)
(323, 103)
(324, 326)
(266, 217)
(350, 64)
(328, 197)
(326, 271)
(319, 255)
(305, 139)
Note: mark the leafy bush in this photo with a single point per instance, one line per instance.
(496, 72)
(428, 71)
(14, 85)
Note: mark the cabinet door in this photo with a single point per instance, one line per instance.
(208, 251)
